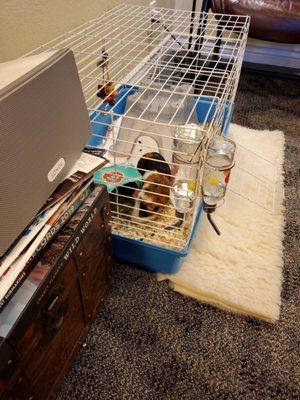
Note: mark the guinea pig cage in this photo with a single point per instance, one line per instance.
(159, 86)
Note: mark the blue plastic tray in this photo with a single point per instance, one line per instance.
(100, 122)
(155, 258)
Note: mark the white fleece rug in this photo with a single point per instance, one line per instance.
(241, 270)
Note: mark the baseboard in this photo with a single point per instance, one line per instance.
(272, 58)
(273, 70)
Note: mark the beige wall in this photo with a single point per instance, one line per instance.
(178, 4)
(26, 24)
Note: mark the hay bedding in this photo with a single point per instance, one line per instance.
(153, 231)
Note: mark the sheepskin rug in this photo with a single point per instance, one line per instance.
(241, 270)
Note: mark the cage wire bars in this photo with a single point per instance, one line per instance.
(177, 66)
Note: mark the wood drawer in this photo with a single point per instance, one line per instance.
(58, 298)
(91, 249)
(94, 283)
(22, 390)
(54, 353)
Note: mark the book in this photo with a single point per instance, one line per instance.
(27, 236)
(54, 224)
(16, 273)
(35, 280)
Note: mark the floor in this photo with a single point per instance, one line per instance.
(149, 342)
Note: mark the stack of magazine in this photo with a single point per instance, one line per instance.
(17, 263)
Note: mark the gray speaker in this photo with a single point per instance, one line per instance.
(44, 126)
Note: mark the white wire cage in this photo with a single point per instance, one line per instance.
(171, 72)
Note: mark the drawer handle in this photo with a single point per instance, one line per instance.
(52, 304)
(54, 314)
(53, 321)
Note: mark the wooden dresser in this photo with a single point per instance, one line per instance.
(66, 286)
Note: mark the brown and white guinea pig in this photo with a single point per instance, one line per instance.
(155, 192)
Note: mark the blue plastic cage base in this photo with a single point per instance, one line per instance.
(152, 257)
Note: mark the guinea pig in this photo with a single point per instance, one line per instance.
(122, 200)
(155, 192)
(153, 162)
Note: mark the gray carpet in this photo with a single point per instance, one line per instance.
(149, 342)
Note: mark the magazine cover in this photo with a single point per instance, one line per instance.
(82, 170)
(95, 151)
(41, 270)
(27, 236)
(13, 309)
(55, 223)
(10, 280)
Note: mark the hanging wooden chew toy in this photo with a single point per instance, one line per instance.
(107, 91)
